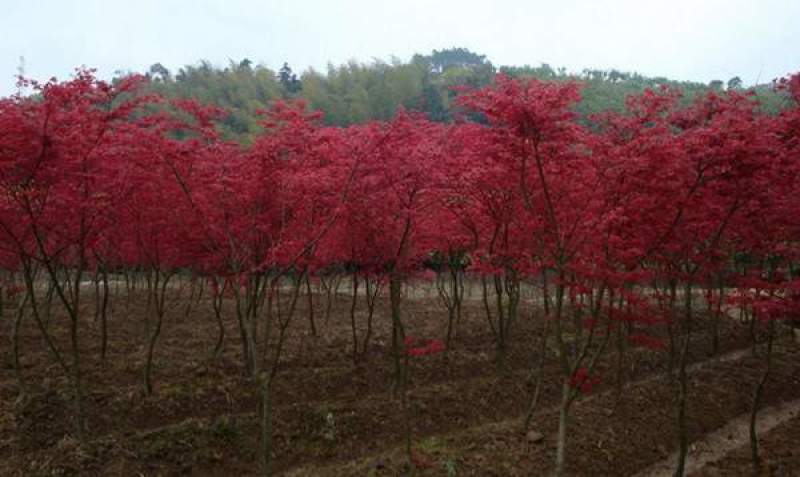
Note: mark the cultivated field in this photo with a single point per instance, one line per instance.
(332, 417)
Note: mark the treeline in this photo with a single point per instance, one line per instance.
(354, 92)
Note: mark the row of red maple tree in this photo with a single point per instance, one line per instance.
(615, 218)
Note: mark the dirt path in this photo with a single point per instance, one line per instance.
(716, 445)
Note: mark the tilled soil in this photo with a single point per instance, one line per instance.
(334, 417)
(604, 440)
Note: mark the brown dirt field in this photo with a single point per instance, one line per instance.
(334, 418)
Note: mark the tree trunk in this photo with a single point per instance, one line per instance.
(539, 377)
(683, 432)
(104, 317)
(501, 323)
(77, 381)
(673, 345)
(151, 345)
(353, 317)
(401, 363)
(15, 344)
(563, 421)
(312, 324)
(243, 331)
(159, 298)
(757, 397)
(459, 297)
(217, 302)
(372, 295)
(265, 413)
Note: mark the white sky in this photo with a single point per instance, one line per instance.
(682, 39)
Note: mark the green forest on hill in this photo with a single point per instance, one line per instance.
(357, 92)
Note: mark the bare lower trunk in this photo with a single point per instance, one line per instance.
(265, 378)
(246, 351)
(372, 291)
(97, 298)
(683, 432)
(311, 322)
(563, 421)
(539, 377)
(448, 288)
(77, 382)
(217, 302)
(151, 345)
(451, 316)
(502, 320)
(353, 317)
(401, 364)
(29, 278)
(620, 371)
(47, 310)
(673, 345)
(159, 290)
(459, 298)
(15, 345)
(265, 412)
(683, 437)
(757, 398)
(104, 317)
(327, 285)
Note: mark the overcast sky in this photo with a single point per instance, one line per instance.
(682, 39)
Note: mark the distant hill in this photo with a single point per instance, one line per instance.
(357, 92)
